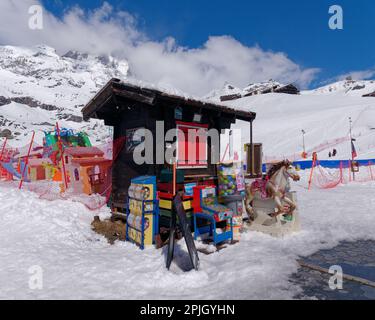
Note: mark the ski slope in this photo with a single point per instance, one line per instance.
(324, 117)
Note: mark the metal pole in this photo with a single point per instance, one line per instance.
(230, 144)
(351, 150)
(303, 139)
(251, 151)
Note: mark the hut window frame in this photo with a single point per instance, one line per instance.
(186, 164)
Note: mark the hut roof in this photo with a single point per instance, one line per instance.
(84, 152)
(92, 162)
(39, 162)
(151, 96)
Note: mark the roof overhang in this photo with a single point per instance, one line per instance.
(116, 88)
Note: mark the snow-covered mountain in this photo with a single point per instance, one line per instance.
(39, 87)
(348, 87)
(232, 92)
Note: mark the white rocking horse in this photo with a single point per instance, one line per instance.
(270, 205)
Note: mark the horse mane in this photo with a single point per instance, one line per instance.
(276, 167)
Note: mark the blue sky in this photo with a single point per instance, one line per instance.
(298, 28)
(286, 40)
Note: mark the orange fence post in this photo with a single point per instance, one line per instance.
(26, 161)
(312, 171)
(62, 154)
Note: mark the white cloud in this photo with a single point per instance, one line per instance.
(358, 75)
(108, 31)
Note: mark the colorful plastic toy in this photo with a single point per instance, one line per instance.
(206, 207)
(142, 220)
(231, 179)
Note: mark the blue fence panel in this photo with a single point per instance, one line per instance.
(331, 164)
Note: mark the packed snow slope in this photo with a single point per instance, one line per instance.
(323, 114)
(79, 264)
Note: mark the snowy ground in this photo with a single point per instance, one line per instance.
(79, 264)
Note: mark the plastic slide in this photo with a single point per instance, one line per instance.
(9, 167)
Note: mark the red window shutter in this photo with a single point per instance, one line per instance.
(191, 153)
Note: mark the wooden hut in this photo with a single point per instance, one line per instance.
(128, 107)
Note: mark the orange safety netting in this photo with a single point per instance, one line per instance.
(324, 178)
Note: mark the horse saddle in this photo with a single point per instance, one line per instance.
(259, 185)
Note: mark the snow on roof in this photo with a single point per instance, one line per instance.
(148, 93)
(38, 162)
(84, 151)
(173, 92)
(92, 162)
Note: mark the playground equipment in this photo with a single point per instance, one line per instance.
(207, 208)
(68, 138)
(86, 177)
(271, 207)
(57, 140)
(276, 226)
(87, 170)
(6, 156)
(7, 169)
(12, 165)
(40, 169)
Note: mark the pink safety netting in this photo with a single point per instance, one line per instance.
(45, 176)
(324, 178)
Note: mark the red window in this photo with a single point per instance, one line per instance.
(191, 145)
